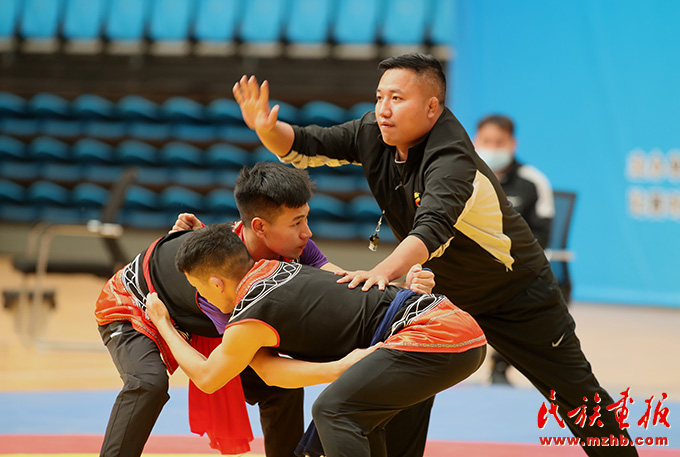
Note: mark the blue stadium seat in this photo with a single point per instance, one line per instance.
(19, 126)
(333, 181)
(149, 130)
(323, 207)
(224, 110)
(223, 155)
(170, 20)
(262, 21)
(89, 150)
(309, 21)
(216, 20)
(89, 106)
(192, 177)
(333, 230)
(48, 149)
(11, 192)
(133, 152)
(237, 134)
(182, 109)
(149, 219)
(18, 213)
(364, 209)
(65, 215)
(138, 197)
(225, 178)
(441, 32)
(322, 113)
(178, 198)
(11, 148)
(9, 14)
(89, 195)
(61, 127)
(13, 105)
(222, 203)
(20, 171)
(49, 105)
(169, 26)
(405, 22)
(61, 172)
(359, 109)
(191, 131)
(40, 19)
(262, 154)
(181, 154)
(47, 193)
(127, 20)
(105, 174)
(135, 107)
(83, 19)
(356, 22)
(287, 112)
(153, 176)
(104, 128)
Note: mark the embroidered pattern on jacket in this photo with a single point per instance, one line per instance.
(422, 305)
(257, 287)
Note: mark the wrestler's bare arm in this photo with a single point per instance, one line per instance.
(277, 370)
(239, 345)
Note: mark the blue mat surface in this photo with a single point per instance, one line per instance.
(467, 412)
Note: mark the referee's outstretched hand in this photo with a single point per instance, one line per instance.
(254, 103)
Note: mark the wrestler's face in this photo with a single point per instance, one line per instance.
(404, 108)
(286, 234)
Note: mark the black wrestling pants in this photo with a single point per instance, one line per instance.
(281, 413)
(145, 392)
(350, 414)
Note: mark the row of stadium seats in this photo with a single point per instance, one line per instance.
(144, 208)
(134, 108)
(325, 180)
(173, 25)
(45, 149)
(94, 161)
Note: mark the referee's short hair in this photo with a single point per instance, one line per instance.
(425, 66)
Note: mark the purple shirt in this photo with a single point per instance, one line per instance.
(311, 255)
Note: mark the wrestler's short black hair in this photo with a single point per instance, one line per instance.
(263, 191)
(213, 249)
(500, 121)
(424, 65)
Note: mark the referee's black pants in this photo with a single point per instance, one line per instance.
(351, 413)
(145, 392)
(535, 332)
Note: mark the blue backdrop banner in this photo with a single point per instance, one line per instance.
(594, 90)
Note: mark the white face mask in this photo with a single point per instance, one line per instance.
(496, 159)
